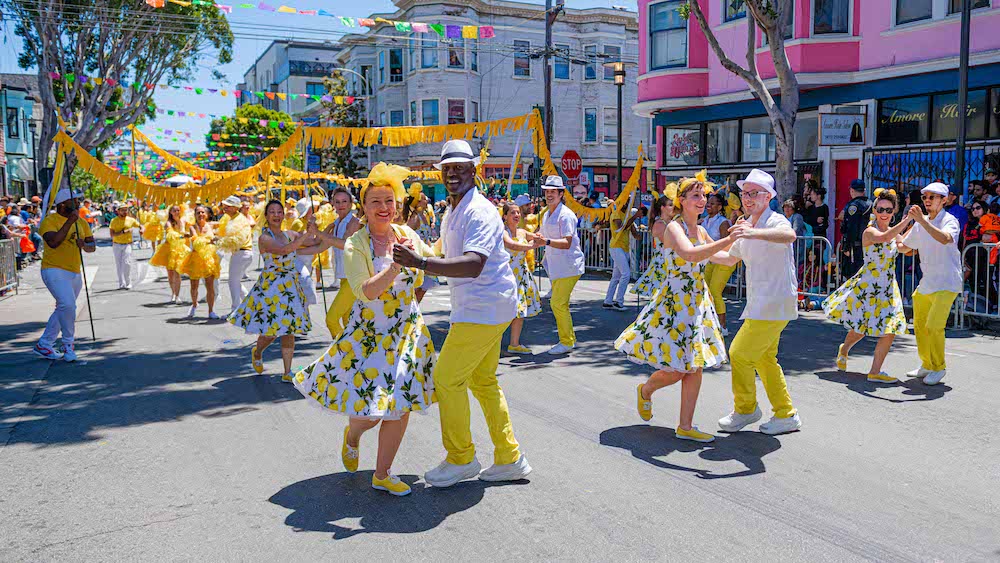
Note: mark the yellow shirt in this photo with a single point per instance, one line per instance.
(239, 232)
(619, 239)
(67, 255)
(123, 224)
(298, 225)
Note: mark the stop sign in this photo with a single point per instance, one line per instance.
(571, 164)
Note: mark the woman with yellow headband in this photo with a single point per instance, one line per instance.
(380, 368)
(678, 331)
(869, 303)
(663, 212)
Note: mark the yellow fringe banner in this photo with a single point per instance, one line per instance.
(604, 214)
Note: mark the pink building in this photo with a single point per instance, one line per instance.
(881, 78)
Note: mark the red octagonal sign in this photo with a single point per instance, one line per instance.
(572, 165)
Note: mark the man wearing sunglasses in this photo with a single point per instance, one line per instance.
(935, 237)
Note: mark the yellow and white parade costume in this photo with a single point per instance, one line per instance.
(529, 304)
(203, 260)
(381, 366)
(173, 252)
(152, 225)
(718, 275)
(236, 238)
(870, 303)
(276, 305)
(339, 313)
(652, 279)
(678, 330)
(564, 267)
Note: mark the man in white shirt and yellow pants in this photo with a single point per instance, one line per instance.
(764, 243)
(563, 259)
(935, 237)
(483, 302)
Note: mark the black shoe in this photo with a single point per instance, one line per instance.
(618, 307)
(607, 305)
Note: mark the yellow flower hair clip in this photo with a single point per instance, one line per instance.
(879, 191)
(699, 178)
(416, 188)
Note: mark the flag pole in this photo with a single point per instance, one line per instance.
(307, 191)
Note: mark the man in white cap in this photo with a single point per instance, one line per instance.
(64, 235)
(238, 236)
(935, 237)
(121, 242)
(483, 303)
(764, 243)
(563, 259)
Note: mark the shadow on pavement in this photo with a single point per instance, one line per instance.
(859, 383)
(319, 503)
(650, 443)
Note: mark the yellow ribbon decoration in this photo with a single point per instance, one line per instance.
(621, 200)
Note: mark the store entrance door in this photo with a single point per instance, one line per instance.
(844, 172)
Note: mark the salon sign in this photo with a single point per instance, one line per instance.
(838, 129)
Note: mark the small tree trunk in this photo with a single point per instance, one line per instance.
(784, 164)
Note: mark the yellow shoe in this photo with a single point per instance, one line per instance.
(257, 363)
(694, 435)
(645, 407)
(287, 378)
(882, 377)
(349, 455)
(391, 484)
(519, 349)
(841, 359)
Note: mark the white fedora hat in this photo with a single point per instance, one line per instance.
(232, 201)
(303, 206)
(935, 188)
(760, 178)
(457, 150)
(553, 183)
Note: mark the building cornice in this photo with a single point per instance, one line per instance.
(525, 10)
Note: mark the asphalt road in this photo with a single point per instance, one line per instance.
(164, 446)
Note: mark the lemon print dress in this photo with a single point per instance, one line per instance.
(381, 366)
(172, 254)
(652, 279)
(870, 303)
(202, 262)
(528, 303)
(678, 330)
(276, 305)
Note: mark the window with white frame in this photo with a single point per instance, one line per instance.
(610, 126)
(413, 114)
(831, 16)
(732, 13)
(589, 125)
(611, 53)
(456, 53)
(668, 36)
(955, 6)
(787, 24)
(428, 50)
(381, 67)
(456, 111)
(561, 70)
(396, 65)
(590, 55)
(473, 111)
(522, 62)
(913, 10)
(429, 112)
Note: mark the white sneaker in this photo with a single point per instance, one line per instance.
(934, 377)
(68, 354)
(734, 422)
(507, 472)
(191, 311)
(559, 349)
(725, 332)
(213, 316)
(175, 299)
(46, 352)
(777, 425)
(919, 372)
(447, 474)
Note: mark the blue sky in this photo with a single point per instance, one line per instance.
(255, 30)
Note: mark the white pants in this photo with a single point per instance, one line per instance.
(65, 288)
(123, 263)
(239, 263)
(620, 276)
(305, 278)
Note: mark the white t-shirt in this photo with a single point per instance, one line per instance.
(14, 220)
(712, 225)
(475, 226)
(770, 273)
(941, 264)
(559, 263)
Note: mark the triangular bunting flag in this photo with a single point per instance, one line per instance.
(438, 28)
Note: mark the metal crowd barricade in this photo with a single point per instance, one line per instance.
(595, 244)
(8, 265)
(815, 267)
(982, 282)
(641, 252)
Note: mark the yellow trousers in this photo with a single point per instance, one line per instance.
(716, 275)
(468, 361)
(755, 350)
(340, 310)
(930, 316)
(562, 288)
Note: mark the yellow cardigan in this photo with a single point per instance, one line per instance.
(358, 261)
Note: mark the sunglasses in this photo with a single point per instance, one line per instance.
(975, 207)
(883, 210)
(926, 197)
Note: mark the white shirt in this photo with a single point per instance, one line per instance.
(941, 264)
(475, 226)
(712, 225)
(14, 220)
(559, 264)
(339, 230)
(770, 273)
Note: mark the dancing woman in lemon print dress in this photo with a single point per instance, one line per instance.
(662, 212)
(529, 304)
(173, 252)
(380, 369)
(869, 303)
(202, 262)
(678, 331)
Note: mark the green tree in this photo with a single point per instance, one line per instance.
(245, 128)
(342, 160)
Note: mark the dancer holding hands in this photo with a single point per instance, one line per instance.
(528, 302)
(662, 211)
(202, 263)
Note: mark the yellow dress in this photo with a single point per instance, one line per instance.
(172, 254)
(152, 228)
(203, 261)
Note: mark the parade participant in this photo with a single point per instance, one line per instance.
(854, 219)
(414, 213)
(276, 305)
(237, 239)
(344, 227)
(64, 234)
(202, 262)
(381, 368)
(304, 212)
(935, 237)
(563, 259)
(173, 251)
(869, 304)
(678, 331)
(764, 243)
(717, 226)
(662, 210)
(528, 302)
(483, 302)
(622, 228)
(152, 227)
(121, 243)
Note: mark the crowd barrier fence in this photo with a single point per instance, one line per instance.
(8, 265)
(982, 283)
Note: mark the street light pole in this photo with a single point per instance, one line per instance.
(619, 69)
(963, 100)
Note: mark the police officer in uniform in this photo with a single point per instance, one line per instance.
(854, 219)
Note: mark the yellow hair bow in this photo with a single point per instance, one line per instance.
(415, 190)
(391, 175)
(879, 191)
(699, 178)
(733, 202)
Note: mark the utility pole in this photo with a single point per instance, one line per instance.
(550, 18)
(963, 100)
